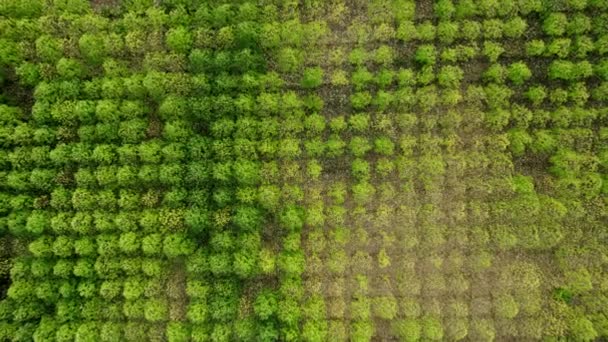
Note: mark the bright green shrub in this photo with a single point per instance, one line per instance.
(407, 31)
(408, 329)
(450, 76)
(312, 78)
(444, 9)
(515, 27)
(555, 24)
(518, 73)
(425, 54)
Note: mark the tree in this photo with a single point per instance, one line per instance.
(175, 245)
(408, 330)
(246, 172)
(246, 262)
(385, 307)
(312, 78)
(87, 332)
(483, 330)
(385, 78)
(247, 218)
(535, 47)
(582, 70)
(104, 154)
(579, 281)
(530, 6)
(133, 110)
(37, 222)
(112, 88)
(289, 60)
(197, 289)
(48, 48)
(270, 35)
(492, 50)
(149, 151)
(291, 263)
(153, 268)
(70, 69)
(359, 122)
(314, 169)
(425, 55)
(84, 268)
(174, 108)
(363, 192)
(383, 100)
(384, 55)
(560, 47)
(495, 73)
(432, 328)
(197, 220)
(361, 78)
(170, 174)
(85, 246)
(445, 9)
(156, 310)
(360, 100)
(560, 97)
(536, 95)
(506, 306)
(358, 56)
(448, 31)
(132, 131)
(359, 146)
(179, 39)
(555, 24)
(92, 47)
(406, 31)
(176, 131)
(383, 32)
(269, 197)
(335, 146)
(289, 148)
(582, 329)
(314, 330)
(265, 305)
(110, 289)
(519, 140)
(62, 246)
(497, 96)
(111, 331)
(129, 242)
(292, 218)
(362, 331)
(515, 28)
(518, 73)
(178, 332)
(384, 146)
(133, 288)
(493, 29)
(174, 198)
(314, 124)
(450, 76)
(197, 312)
(426, 31)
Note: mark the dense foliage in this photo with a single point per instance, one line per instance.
(187, 170)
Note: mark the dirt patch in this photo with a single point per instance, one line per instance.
(15, 94)
(108, 8)
(176, 292)
(424, 10)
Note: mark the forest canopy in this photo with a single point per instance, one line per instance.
(412, 170)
